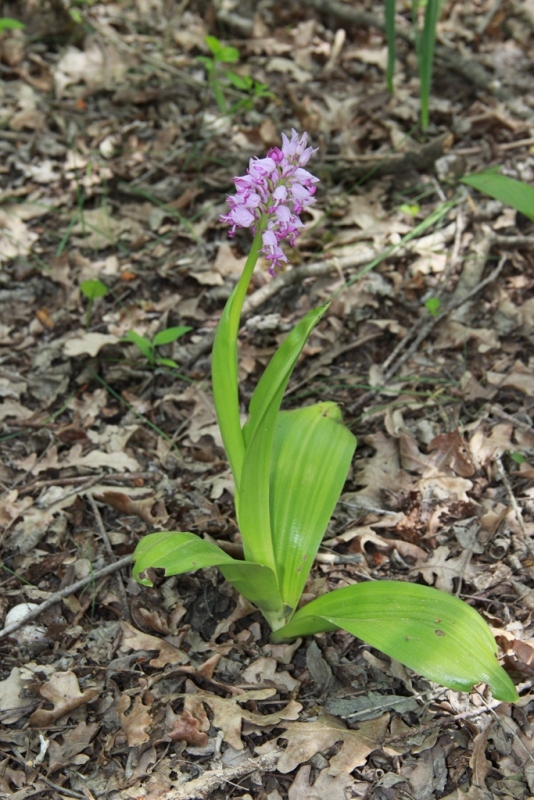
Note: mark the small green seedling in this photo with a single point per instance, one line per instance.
(10, 24)
(92, 289)
(148, 347)
(433, 306)
(519, 458)
(219, 77)
(513, 193)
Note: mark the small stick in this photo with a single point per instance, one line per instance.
(107, 544)
(65, 592)
(505, 480)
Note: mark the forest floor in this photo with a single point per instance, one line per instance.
(116, 162)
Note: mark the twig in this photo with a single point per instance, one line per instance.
(107, 544)
(211, 779)
(65, 592)
(505, 480)
(124, 477)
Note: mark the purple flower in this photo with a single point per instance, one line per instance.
(272, 195)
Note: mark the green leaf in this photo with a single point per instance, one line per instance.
(273, 382)
(177, 552)
(433, 305)
(433, 633)
(144, 344)
(93, 289)
(8, 23)
(224, 368)
(242, 82)
(170, 335)
(214, 44)
(166, 362)
(253, 507)
(228, 55)
(311, 457)
(513, 193)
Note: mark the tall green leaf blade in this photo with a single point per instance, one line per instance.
(179, 551)
(224, 369)
(253, 507)
(431, 632)
(513, 193)
(273, 382)
(311, 457)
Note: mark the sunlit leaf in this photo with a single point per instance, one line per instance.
(513, 193)
(93, 289)
(170, 335)
(433, 633)
(144, 344)
(179, 551)
(311, 457)
(224, 369)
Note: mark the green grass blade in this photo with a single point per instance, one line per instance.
(432, 632)
(390, 35)
(513, 193)
(427, 44)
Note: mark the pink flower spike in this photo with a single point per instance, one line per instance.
(271, 196)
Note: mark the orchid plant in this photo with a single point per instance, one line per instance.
(289, 468)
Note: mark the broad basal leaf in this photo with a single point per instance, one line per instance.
(434, 633)
(178, 552)
(514, 193)
(253, 504)
(311, 456)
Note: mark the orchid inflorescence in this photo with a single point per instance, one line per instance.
(289, 469)
(272, 195)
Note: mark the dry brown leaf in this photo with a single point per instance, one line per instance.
(63, 691)
(485, 448)
(305, 739)
(127, 505)
(88, 343)
(262, 672)
(325, 785)
(229, 716)
(136, 640)
(185, 728)
(136, 723)
(67, 749)
(451, 451)
(441, 570)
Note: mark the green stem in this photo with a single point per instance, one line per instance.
(224, 368)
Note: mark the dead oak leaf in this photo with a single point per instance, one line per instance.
(63, 691)
(451, 451)
(137, 640)
(305, 739)
(441, 570)
(137, 722)
(68, 749)
(229, 716)
(186, 728)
